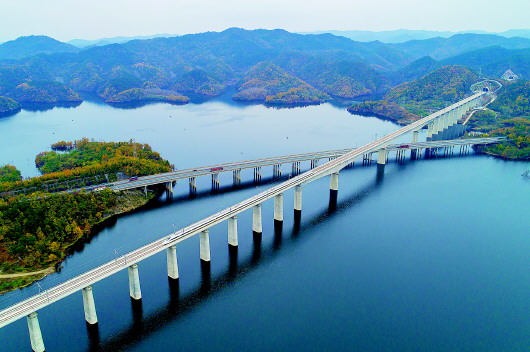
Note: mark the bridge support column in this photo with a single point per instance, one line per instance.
(169, 187)
(415, 136)
(215, 181)
(257, 227)
(35, 335)
(257, 174)
(447, 120)
(439, 124)
(276, 170)
(414, 152)
(430, 129)
(145, 191)
(314, 163)
(382, 156)
(334, 182)
(89, 305)
(278, 207)
(366, 159)
(460, 112)
(232, 231)
(193, 185)
(298, 198)
(172, 264)
(236, 177)
(134, 282)
(451, 118)
(205, 245)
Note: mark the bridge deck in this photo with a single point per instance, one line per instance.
(249, 164)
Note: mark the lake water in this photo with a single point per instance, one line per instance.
(433, 256)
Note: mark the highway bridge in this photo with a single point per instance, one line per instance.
(28, 308)
(276, 163)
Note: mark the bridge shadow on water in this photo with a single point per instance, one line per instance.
(163, 200)
(179, 306)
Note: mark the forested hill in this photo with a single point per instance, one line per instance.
(208, 63)
(33, 45)
(442, 48)
(172, 69)
(412, 100)
(508, 115)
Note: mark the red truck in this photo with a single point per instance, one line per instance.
(216, 169)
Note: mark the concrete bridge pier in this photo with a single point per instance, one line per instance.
(35, 335)
(205, 246)
(232, 231)
(257, 174)
(443, 122)
(169, 188)
(333, 190)
(296, 168)
(236, 177)
(382, 155)
(257, 227)
(215, 181)
(448, 122)
(367, 159)
(298, 198)
(451, 118)
(430, 129)
(193, 185)
(402, 154)
(134, 282)
(172, 264)
(415, 138)
(314, 163)
(278, 207)
(276, 170)
(89, 305)
(334, 182)
(436, 126)
(461, 112)
(297, 207)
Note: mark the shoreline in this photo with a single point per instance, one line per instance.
(137, 202)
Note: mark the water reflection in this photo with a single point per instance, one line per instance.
(94, 339)
(49, 106)
(178, 307)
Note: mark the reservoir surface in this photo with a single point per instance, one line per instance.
(431, 256)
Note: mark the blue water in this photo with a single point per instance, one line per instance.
(433, 256)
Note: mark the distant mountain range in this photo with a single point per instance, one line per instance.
(403, 35)
(33, 45)
(84, 43)
(271, 66)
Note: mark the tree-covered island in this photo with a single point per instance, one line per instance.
(38, 228)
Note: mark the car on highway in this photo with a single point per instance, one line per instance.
(216, 169)
(133, 178)
(404, 146)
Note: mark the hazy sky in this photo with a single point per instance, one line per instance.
(92, 19)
